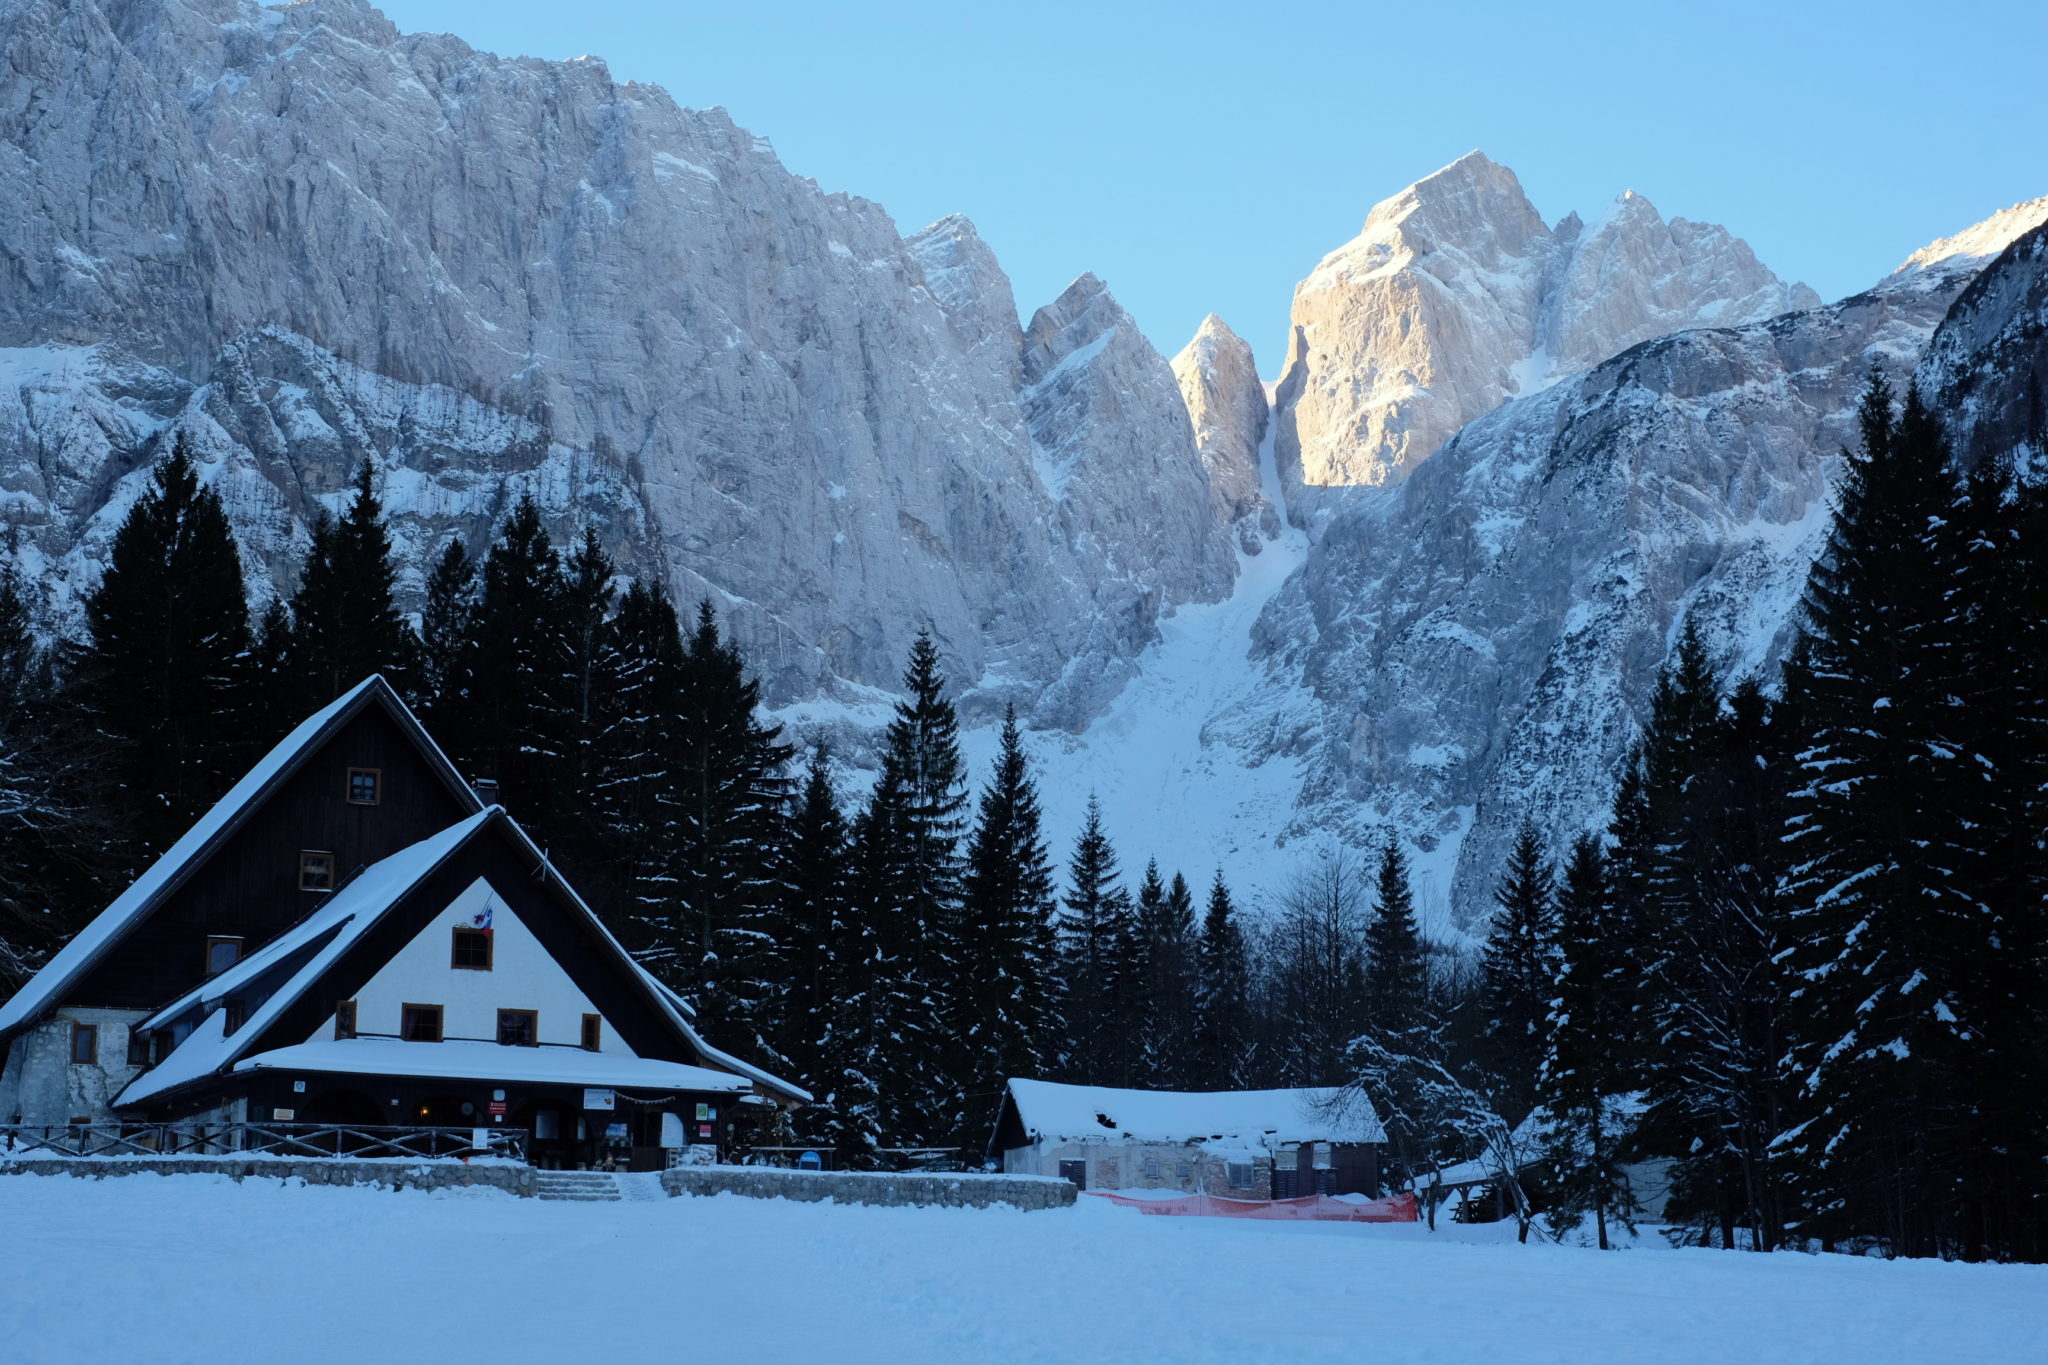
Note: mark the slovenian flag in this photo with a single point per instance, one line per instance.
(483, 918)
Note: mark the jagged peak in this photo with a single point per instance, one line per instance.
(952, 227)
(1982, 240)
(1474, 184)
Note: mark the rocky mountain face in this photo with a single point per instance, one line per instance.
(1457, 296)
(1481, 640)
(1219, 382)
(299, 238)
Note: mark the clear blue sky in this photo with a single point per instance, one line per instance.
(1203, 157)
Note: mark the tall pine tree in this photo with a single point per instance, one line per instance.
(346, 623)
(1223, 1030)
(1518, 973)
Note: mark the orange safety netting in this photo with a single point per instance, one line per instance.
(1401, 1208)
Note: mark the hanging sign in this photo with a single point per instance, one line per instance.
(598, 1099)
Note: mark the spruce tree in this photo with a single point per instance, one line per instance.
(1397, 979)
(1223, 1030)
(512, 720)
(445, 625)
(1005, 1015)
(162, 681)
(346, 623)
(814, 891)
(631, 774)
(1166, 984)
(1097, 948)
(1518, 973)
(1888, 935)
(731, 795)
(593, 672)
(1580, 1076)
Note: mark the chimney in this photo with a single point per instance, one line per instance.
(486, 789)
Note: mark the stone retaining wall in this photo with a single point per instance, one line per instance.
(322, 1170)
(871, 1187)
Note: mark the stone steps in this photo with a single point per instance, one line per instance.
(590, 1187)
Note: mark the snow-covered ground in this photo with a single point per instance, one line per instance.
(196, 1268)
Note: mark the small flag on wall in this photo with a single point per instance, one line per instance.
(483, 918)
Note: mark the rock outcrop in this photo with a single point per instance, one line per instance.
(304, 238)
(1226, 401)
(1457, 296)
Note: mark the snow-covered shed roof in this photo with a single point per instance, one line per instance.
(75, 958)
(462, 1058)
(1052, 1112)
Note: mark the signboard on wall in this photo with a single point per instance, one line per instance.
(598, 1099)
(283, 1115)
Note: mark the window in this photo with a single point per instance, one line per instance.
(1239, 1174)
(1182, 1170)
(85, 1043)
(420, 1023)
(231, 1016)
(471, 950)
(365, 786)
(519, 1028)
(1151, 1168)
(221, 953)
(344, 1018)
(593, 1032)
(316, 870)
(138, 1046)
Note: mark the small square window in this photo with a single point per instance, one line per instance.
(519, 1028)
(593, 1032)
(316, 870)
(85, 1043)
(345, 1019)
(420, 1023)
(1239, 1174)
(471, 949)
(365, 786)
(1151, 1170)
(221, 953)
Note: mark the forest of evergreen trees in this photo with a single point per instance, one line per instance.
(1805, 962)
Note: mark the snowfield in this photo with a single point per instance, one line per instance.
(198, 1268)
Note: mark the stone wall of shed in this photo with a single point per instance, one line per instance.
(511, 1177)
(41, 1084)
(870, 1187)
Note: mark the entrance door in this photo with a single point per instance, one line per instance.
(1075, 1172)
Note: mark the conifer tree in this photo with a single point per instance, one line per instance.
(513, 714)
(1518, 973)
(1005, 1014)
(1397, 979)
(1097, 947)
(814, 915)
(731, 795)
(278, 699)
(346, 623)
(1166, 984)
(1887, 934)
(1580, 1077)
(162, 681)
(631, 775)
(1223, 1029)
(445, 624)
(592, 666)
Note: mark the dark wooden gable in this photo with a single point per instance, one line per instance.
(500, 856)
(248, 885)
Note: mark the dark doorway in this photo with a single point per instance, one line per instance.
(1075, 1172)
(342, 1106)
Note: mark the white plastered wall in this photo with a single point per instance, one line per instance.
(522, 977)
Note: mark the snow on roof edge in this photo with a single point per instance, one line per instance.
(1051, 1110)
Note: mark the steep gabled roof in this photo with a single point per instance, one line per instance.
(331, 931)
(170, 871)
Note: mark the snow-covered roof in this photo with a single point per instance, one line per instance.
(351, 912)
(73, 960)
(1053, 1112)
(473, 1060)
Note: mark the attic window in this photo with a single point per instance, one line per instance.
(365, 786)
(222, 952)
(593, 1032)
(471, 949)
(316, 870)
(344, 1018)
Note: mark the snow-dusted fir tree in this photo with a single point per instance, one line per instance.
(1396, 976)
(907, 882)
(1165, 983)
(1005, 1012)
(162, 679)
(510, 725)
(445, 622)
(1518, 974)
(1889, 934)
(1581, 1076)
(813, 916)
(1223, 1021)
(345, 619)
(631, 781)
(730, 797)
(1097, 937)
